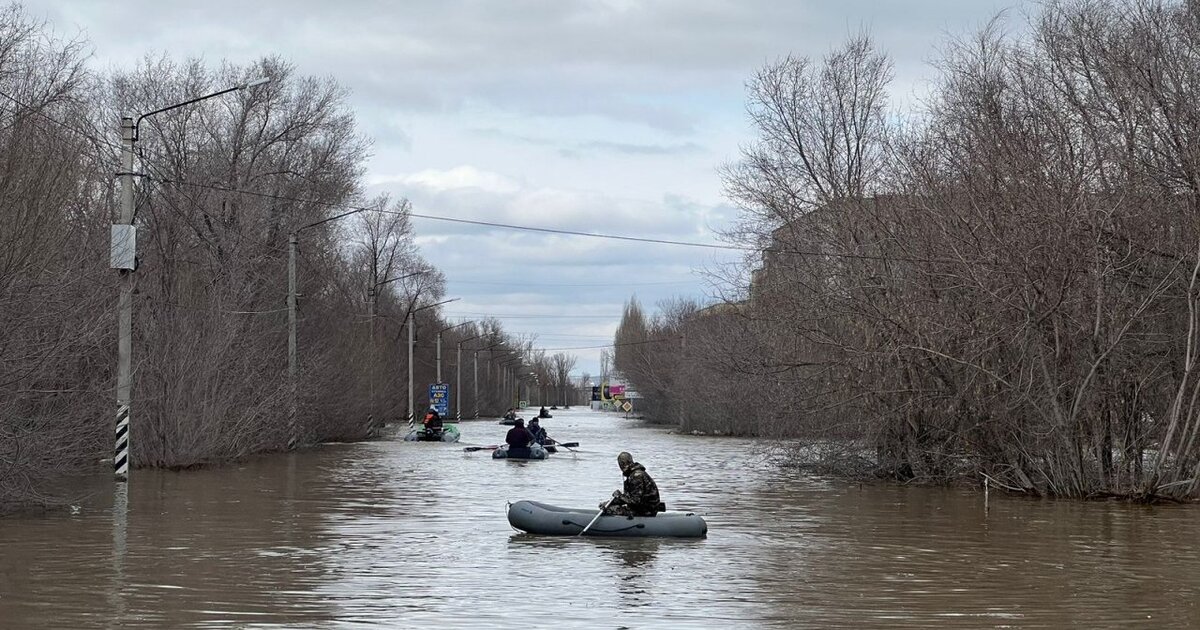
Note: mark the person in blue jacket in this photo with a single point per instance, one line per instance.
(538, 433)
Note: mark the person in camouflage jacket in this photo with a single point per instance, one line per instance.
(640, 497)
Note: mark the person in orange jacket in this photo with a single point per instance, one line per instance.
(433, 420)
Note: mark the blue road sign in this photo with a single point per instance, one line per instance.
(439, 398)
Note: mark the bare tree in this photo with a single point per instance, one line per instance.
(54, 377)
(998, 285)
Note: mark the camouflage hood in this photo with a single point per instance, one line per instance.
(632, 468)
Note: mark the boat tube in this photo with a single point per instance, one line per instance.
(536, 451)
(449, 433)
(551, 520)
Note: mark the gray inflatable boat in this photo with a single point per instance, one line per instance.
(536, 451)
(540, 518)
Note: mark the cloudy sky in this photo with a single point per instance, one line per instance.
(595, 115)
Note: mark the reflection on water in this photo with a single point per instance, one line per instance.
(399, 534)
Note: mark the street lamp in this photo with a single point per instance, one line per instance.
(521, 380)
(372, 299)
(499, 378)
(509, 376)
(475, 356)
(293, 248)
(410, 321)
(439, 346)
(458, 378)
(537, 382)
(123, 257)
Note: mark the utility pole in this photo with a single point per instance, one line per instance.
(123, 257)
(458, 379)
(475, 379)
(410, 323)
(458, 383)
(411, 320)
(293, 360)
(371, 355)
(372, 306)
(125, 305)
(439, 347)
(293, 245)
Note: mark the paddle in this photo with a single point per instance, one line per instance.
(566, 445)
(481, 448)
(598, 515)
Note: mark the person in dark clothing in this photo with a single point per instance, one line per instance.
(433, 425)
(543, 413)
(640, 497)
(518, 439)
(538, 433)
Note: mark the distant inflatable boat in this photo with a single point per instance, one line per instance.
(449, 433)
(550, 520)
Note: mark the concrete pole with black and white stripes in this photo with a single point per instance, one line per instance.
(125, 304)
(293, 246)
(458, 383)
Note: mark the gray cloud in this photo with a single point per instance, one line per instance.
(597, 115)
(545, 58)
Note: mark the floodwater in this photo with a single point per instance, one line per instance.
(414, 535)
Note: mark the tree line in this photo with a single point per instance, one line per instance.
(221, 185)
(999, 283)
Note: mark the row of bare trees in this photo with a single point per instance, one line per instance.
(1001, 283)
(546, 378)
(222, 184)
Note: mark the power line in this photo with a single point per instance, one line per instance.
(615, 237)
(742, 248)
(615, 345)
(466, 221)
(567, 335)
(615, 285)
(477, 314)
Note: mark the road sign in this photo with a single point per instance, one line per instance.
(439, 398)
(627, 406)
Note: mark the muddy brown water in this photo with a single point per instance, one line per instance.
(414, 535)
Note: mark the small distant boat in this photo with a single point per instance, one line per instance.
(551, 520)
(448, 433)
(510, 423)
(536, 451)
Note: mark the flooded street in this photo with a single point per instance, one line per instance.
(400, 534)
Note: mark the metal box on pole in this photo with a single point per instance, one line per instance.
(123, 253)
